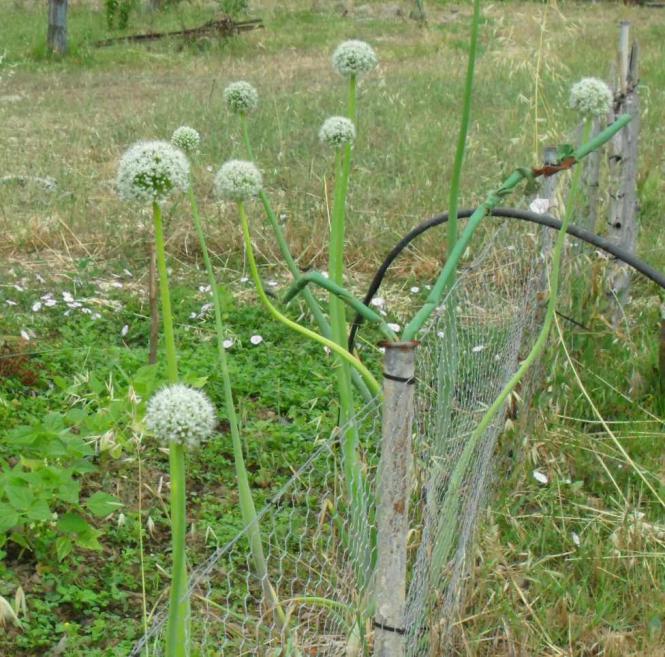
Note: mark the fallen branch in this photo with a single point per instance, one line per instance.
(221, 27)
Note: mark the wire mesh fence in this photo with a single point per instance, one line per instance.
(318, 596)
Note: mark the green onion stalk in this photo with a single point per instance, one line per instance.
(179, 609)
(449, 512)
(241, 100)
(247, 507)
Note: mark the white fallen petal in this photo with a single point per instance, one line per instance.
(37, 306)
(228, 343)
(540, 477)
(394, 327)
(477, 348)
(256, 339)
(124, 330)
(25, 335)
(576, 538)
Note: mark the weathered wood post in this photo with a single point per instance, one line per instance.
(623, 211)
(393, 490)
(56, 38)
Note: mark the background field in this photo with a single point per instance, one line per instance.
(564, 568)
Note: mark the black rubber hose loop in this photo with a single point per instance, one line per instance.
(506, 213)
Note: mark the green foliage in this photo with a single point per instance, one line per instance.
(234, 8)
(117, 13)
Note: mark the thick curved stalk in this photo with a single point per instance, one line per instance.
(178, 619)
(310, 299)
(246, 501)
(342, 293)
(351, 360)
(493, 199)
(450, 507)
(453, 199)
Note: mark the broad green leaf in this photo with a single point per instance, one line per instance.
(73, 523)
(39, 510)
(9, 518)
(63, 546)
(18, 494)
(102, 504)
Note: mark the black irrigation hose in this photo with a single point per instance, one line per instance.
(507, 213)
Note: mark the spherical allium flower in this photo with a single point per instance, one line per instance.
(241, 97)
(186, 139)
(238, 180)
(337, 131)
(354, 58)
(151, 170)
(591, 97)
(180, 414)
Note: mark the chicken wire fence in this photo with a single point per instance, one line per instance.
(318, 596)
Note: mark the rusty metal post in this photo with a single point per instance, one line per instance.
(393, 490)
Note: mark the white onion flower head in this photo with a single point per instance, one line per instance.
(337, 131)
(180, 414)
(354, 58)
(591, 97)
(186, 139)
(151, 170)
(241, 97)
(238, 180)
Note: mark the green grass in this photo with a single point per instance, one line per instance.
(535, 591)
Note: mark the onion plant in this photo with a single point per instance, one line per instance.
(188, 139)
(242, 99)
(149, 172)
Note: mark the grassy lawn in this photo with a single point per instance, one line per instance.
(574, 566)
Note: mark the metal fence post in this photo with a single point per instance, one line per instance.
(393, 491)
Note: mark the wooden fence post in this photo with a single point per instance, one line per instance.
(393, 490)
(623, 211)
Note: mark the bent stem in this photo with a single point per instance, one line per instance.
(246, 501)
(344, 295)
(450, 510)
(310, 299)
(371, 382)
(493, 199)
(178, 618)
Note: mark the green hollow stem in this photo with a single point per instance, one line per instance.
(178, 617)
(450, 507)
(453, 200)
(317, 278)
(310, 299)
(246, 501)
(351, 360)
(493, 199)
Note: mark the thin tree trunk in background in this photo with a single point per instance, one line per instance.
(154, 305)
(56, 38)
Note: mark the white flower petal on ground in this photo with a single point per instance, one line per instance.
(256, 339)
(379, 302)
(415, 289)
(576, 539)
(25, 335)
(228, 343)
(37, 306)
(478, 348)
(540, 477)
(125, 330)
(394, 327)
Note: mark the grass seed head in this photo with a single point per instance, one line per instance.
(151, 171)
(180, 414)
(241, 97)
(238, 180)
(186, 139)
(591, 97)
(354, 58)
(337, 131)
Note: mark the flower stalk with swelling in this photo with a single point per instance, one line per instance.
(324, 327)
(149, 172)
(245, 499)
(240, 181)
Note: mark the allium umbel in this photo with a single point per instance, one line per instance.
(180, 414)
(238, 180)
(337, 131)
(354, 58)
(241, 97)
(151, 170)
(186, 139)
(591, 97)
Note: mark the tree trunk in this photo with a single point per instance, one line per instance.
(56, 39)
